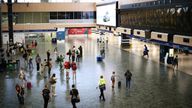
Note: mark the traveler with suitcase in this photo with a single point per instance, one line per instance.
(102, 87)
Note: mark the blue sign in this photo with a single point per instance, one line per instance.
(60, 35)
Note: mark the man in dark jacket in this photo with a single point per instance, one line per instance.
(74, 96)
(128, 76)
(46, 96)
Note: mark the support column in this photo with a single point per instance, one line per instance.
(1, 37)
(10, 21)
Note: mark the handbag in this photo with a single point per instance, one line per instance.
(75, 98)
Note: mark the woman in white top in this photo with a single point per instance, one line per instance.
(53, 84)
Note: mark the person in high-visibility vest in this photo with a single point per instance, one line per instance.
(102, 84)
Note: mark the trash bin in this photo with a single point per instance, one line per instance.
(54, 40)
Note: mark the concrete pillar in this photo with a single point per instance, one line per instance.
(1, 38)
(10, 21)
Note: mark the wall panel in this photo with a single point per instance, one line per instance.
(51, 7)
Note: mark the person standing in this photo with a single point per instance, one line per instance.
(48, 55)
(67, 67)
(113, 79)
(128, 76)
(73, 54)
(74, 96)
(77, 56)
(35, 43)
(102, 85)
(46, 96)
(80, 51)
(25, 57)
(69, 54)
(74, 68)
(22, 77)
(53, 84)
(30, 62)
(38, 61)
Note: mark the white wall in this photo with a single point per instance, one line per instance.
(5, 38)
(17, 37)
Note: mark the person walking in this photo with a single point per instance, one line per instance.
(175, 62)
(102, 87)
(48, 56)
(74, 96)
(46, 95)
(30, 62)
(77, 56)
(74, 68)
(38, 61)
(53, 84)
(128, 76)
(73, 54)
(67, 67)
(145, 52)
(113, 79)
(20, 93)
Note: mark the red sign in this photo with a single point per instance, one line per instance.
(79, 31)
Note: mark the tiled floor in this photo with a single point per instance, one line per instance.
(153, 85)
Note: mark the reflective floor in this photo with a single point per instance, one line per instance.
(153, 85)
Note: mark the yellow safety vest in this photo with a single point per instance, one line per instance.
(101, 81)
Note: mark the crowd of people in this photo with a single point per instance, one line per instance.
(74, 55)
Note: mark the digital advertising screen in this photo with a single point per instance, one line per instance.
(106, 14)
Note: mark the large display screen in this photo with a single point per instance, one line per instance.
(106, 15)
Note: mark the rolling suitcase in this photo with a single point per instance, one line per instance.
(99, 58)
(119, 84)
(29, 85)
